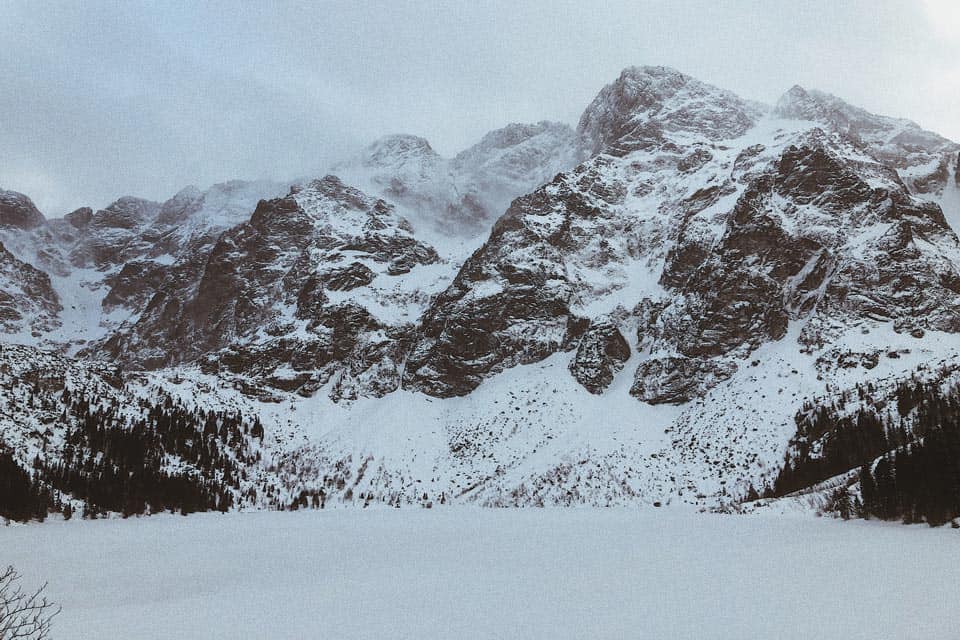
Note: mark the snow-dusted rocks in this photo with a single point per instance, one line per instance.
(301, 292)
(113, 235)
(675, 380)
(28, 304)
(827, 238)
(648, 105)
(80, 218)
(920, 157)
(508, 305)
(595, 238)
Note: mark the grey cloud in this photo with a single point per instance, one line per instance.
(102, 99)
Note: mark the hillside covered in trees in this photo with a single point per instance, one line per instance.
(901, 453)
(157, 456)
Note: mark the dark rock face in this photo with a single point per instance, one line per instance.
(113, 236)
(675, 380)
(17, 211)
(771, 265)
(812, 175)
(601, 353)
(181, 206)
(499, 311)
(259, 303)
(903, 281)
(133, 286)
(80, 218)
(735, 296)
(355, 274)
(126, 213)
(28, 302)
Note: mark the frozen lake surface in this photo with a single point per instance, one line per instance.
(467, 573)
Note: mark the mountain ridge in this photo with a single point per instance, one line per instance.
(641, 322)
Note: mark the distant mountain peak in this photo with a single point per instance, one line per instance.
(516, 133)
(127, 212)
(387, 150)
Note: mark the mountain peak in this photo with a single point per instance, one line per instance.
(127, 212)
(18, 211)
(327, 184)
(330, 192)
(644, 105)
(799, 104)
(516, 133)
(652, 71)
(387, 150)
(80, 218)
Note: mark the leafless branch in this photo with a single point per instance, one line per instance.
(23, 614)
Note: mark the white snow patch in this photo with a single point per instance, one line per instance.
(484, 574)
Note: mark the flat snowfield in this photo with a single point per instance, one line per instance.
(468, 573)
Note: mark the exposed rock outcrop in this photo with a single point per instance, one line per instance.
(675, 380)
(28, 303)
(601, 353)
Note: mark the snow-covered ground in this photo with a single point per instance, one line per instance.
(471, 573)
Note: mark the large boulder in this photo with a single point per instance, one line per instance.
(601, 353)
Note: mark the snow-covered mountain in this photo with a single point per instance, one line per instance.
(104, 265)
(921, 158)
(640, 310)
(316, 284)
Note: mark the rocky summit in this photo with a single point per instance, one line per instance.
(658, 306)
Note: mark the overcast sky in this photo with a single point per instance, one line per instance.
(102, 99)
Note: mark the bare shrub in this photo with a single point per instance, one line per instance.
(23, 614)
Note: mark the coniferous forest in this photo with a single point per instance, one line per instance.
(907, 451)
(160, 457)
